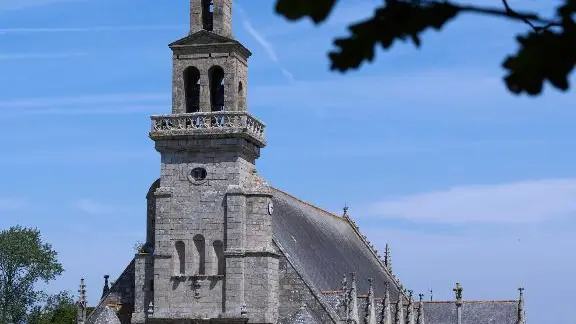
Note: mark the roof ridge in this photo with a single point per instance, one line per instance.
(307, 203)
(395, 280)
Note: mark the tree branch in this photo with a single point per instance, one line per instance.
(528, 18)
(513, 13)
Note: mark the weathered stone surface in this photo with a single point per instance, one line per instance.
(105, 315)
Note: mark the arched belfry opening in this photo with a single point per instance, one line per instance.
(208, 15)
(200, 244)
(241, 97)
(192, 89)
(216, 76)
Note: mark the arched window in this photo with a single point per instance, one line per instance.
(219, 256)
(192, 89)
(200, 244)
(241, 97)
(180, 264)
(208, 15)
(216, 76)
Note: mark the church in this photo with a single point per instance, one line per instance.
(223, 246)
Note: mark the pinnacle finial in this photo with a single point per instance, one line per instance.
(388, 258)
(420, 314)
(458, 291)
(431, 295)
(106, 288)
(386, 313)
(353, 298)
(521, 312)
(82, 303)
(370, 305)
(400, 311)
(345, 209)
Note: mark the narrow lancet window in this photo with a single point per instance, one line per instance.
(241, 97)
(180, 265)
(208, 15)
(217, 88)
(200, 244)
(192, 89)
(219, 257)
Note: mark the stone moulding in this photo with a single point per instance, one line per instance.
(209, 125)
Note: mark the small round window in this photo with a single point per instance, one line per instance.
(198, 174)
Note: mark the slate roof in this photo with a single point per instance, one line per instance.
(104, 315)
(441, 312)
(302, 316)
(202, 38)
(473, 312)
(324, 247)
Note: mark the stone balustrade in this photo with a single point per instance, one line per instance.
(217, 123)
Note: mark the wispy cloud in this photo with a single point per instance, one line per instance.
(37, 56)
(25, 4)
(89, 29)
(266, 45)
(92, 207)
(261, 40)
(74, 155)
(118, 103)
(521, 202)
(11, 203)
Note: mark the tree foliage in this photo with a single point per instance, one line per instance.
(58, 309)
(547, 51)
(24, 261)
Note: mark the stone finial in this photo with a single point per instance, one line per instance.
(353, 304)
(345, 209)
(521, 311)
(370, 306)
(386, 313)
(420, 314)
(82, 303)
(458, 291)
(345, 301)
(431, 295)
(410, 309)
(106, 288)
(387, 258)
(400, 310)
(150, 309)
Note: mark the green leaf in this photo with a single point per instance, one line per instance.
(543, 56)
(317, 10)
(24, 261)
(396, 20)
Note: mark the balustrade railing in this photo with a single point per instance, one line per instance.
(208, 122)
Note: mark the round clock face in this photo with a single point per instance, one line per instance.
(270, 208)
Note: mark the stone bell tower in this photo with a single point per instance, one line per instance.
(209, 254)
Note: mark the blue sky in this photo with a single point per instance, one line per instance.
(466, 182)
